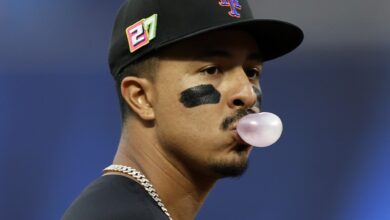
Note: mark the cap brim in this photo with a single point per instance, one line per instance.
(275, 38)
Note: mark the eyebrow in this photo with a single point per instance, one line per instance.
(218, 53)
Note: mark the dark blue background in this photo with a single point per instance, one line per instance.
(60, 122)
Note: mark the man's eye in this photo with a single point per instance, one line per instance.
(213, 70)
(252, 73)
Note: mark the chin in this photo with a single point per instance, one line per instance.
(232, 167)
(227, 169)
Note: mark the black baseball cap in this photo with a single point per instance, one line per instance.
(144, 26)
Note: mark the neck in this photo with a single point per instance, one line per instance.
(183, 192)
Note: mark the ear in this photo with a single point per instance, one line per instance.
(137, 92)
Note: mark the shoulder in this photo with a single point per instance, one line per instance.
(113, 197)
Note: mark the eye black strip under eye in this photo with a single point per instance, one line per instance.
(259, 96)
(200, 95)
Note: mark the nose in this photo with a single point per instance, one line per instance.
(243, 94)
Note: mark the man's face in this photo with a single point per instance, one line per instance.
(202, 87)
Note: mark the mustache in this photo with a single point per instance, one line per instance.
(228, 121)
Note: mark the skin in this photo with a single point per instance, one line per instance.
(185, 150)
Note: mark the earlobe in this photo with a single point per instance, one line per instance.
(137, 93)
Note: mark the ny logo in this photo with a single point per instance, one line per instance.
(234, 6)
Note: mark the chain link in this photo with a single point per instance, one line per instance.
(141, 179)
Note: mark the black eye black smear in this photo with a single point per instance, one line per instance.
(200, 95)
(259, 96)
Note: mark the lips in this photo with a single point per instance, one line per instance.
(241, 146)
(230, 124)
(237, 137)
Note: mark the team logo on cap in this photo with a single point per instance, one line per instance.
(234, 6)
(141, 33)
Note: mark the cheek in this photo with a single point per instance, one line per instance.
(182, 124)
(182, 109)
(200, 95)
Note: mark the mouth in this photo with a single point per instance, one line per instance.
(230, 124)
(238, 138)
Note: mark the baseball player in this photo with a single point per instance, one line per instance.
(186, 71)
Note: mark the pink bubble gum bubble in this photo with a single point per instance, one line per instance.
(260, 129)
